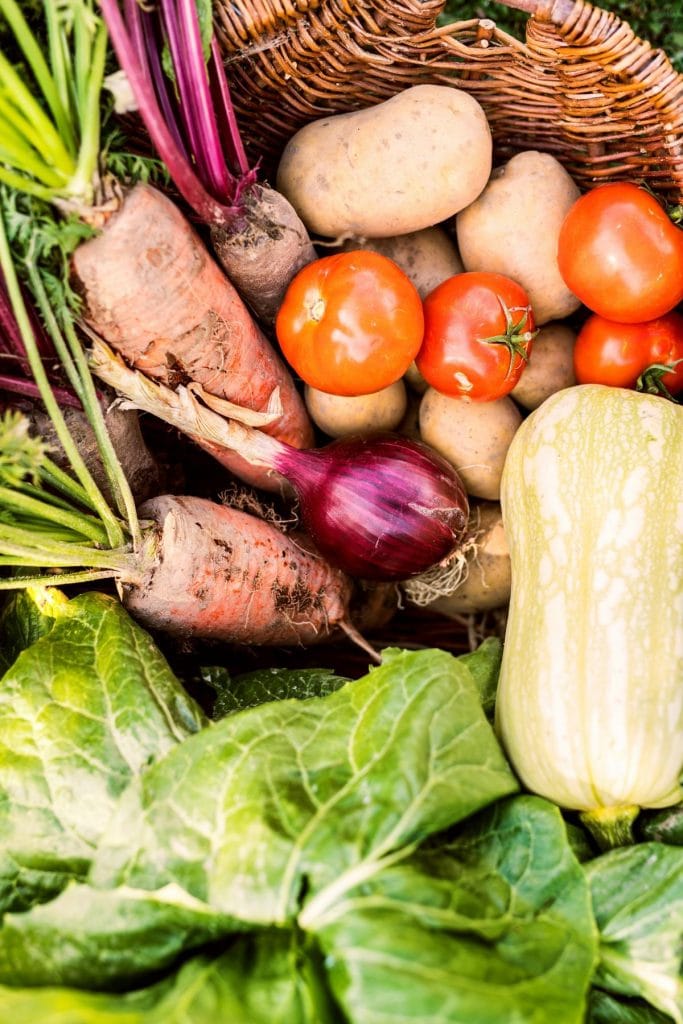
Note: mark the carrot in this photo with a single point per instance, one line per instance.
(148, 284)
(256, 233)
(182, 564)
(225, 575)
(150, 288)
(122, 426)
(201, 570)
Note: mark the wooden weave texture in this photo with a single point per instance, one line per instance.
(582, 86)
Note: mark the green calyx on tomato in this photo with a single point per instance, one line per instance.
(675, 213)
(516, 338)
(479, 328)
(652, 380)
(350, 324)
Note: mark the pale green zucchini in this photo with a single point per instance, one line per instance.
(590, 698)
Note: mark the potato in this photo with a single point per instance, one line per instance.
(414, 379)
(473, 436)
(513, 228)
(410, 424)
(488, 579)
(338, 416)
(427, 257)
(399, 166)
(550, 367)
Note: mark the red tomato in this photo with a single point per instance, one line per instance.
(350, 324)
(607, 352)
(648, 356)
(478, 333)
(621, 255)
(665, 369)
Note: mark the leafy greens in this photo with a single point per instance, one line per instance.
(327, 852)
(638, 901)
(264, 685)
(86, 707)
(446, 936)
(298, 800)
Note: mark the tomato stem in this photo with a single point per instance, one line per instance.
(651, 380)
(516, 338)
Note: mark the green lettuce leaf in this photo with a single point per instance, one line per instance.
(484, 666)
(27, 615)
(265, 978)
(637, 896)
(580, 842)
(259, 979)
(253, 688)
(94, 938)
(494, 926)
(88, 706)
(665, 826)
(606, 1009)
(299, 798)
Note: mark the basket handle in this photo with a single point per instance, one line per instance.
(555, 11)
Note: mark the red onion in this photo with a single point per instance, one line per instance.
(381, 507)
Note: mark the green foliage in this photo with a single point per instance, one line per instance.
(26, 617)
(49, 100)
(638, 902)
(36, 236)
(253, 688)
(310, 794)
(96, 939)
(665, 825)
(445, 935)
(264, 978)
(82, 710)
(607, 1009)
(484, 667)
(327, 852)
(126, 165)
(21, 456)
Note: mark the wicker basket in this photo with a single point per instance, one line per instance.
(582, 87)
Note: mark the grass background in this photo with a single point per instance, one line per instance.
(659, 23)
